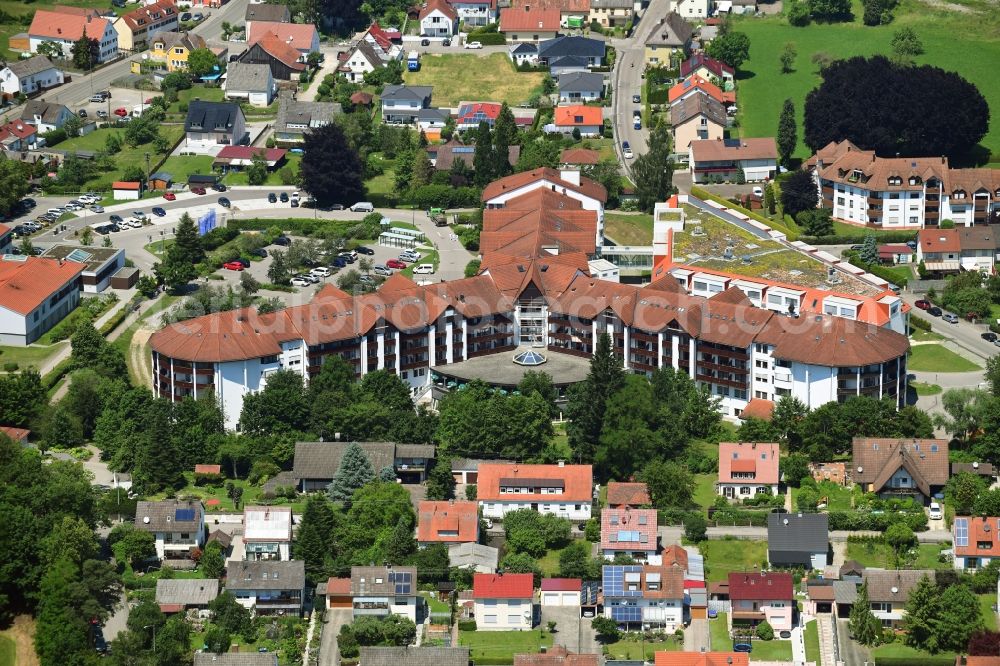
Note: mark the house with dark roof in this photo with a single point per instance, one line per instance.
(757, 159)
(524, 53)
(258, 11)
(579, 87)
(414, 656)
(798, 540)
(557, 655)
(708, 67)
(251, 83)
(889, 590)
(644, 595)
(268, 587)
(669, 42)
(383, 591)
(214, 124)
(590, 50)
(29, 76)
(178, 595)
(915, 468)
(756, 597)
(177, 526)
(504, 602)
(697, 117)
(45, 116)
(209, 658)
(296, 118)
(360, 60)
(401, 103)
(448, 153)
(316, 463)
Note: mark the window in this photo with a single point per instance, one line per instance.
(490, 619)
(513, 619)
(744, 490)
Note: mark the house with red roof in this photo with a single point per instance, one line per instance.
(529, 23)
(17, 435)
(17, 135)
(630, 532)
(557, 655)
(976, 541)
(589, 120)
(644, 595)
(747, 469)
(448, 522)
(694, 85)
(126, 190)
(137, 28)
(561, 591)
(504, 602)
(285, 61)
(64, 28)
(708, 67)
(702, 659)
(756, 597)
(470, 114)
(236, 158)
(302, 37)
(438, 19)
(338, 593)
(560, 490)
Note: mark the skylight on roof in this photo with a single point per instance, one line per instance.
(529, 358)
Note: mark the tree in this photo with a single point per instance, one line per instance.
(859, 100)
(864, 626)
(794, 468)
(315, 536)
(483, 161)
(364, 535)
(787, 58)
(588, 399)
(764, 631)
(653, 171)
(201, 62)
(575, 561)
(787, 136)
(212, 562)
(387, 473)
(217, 640)
(178, 266)
(85, 52)
(257, 171)
(984, 644)
(869, 250)
(798, 193)
(877, 12)
(963, 490)
(958, 617)
(61, 633)
(906, 45)
(278, 272)
(606, 629)
(89, 349)
(830, 10)
(695, 527)
(540, 383)
(280, 407)
(231, 616)
(921, 619)
(22, 397)
(816, 221)
(606, 172)
(135, 547)
(900, 538)
(993, 375)
(504, 136)
(401, 543)
(325, 146)
(733, 48)
(355, 471)
(670, 484)
(440, 481)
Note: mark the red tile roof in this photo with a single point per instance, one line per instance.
(16, 434)
(525, 18)
(578, 116)
(939, 240)
(143, 18)
(125, 185)
(577, 481)
(699, 60)
(760, 458)
(981, 531)
(675, 556)
(632, 494)
(579, 156)
(25, 285)
(281, 51)
(516, 181)
(338, 586)
(694, 83)
(467, 112)
(208, 469)
(758, 408)
(764, 586)
(503, 586)
(299, 36)
(448, 522)
(441, 6)
(380, 36)
(556, 655)
(17, 128)
(538, 222)
(628, 529)
(561, 585)
(69, 27)
(702, 659)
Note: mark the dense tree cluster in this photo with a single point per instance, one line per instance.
(941, 617)
(326, 146)
(860, 99)
(653, 171)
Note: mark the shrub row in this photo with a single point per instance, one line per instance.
(877, 522)
(296, 225)
(883, 237)
(57, 373)
(917, 322)
(116, 319)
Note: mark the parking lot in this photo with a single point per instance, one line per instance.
(126, 98)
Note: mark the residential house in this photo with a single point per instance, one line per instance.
(835, 472)
(45, 116)
(382, 591)
(560, 490)
(765, 596)
(577, 158)
(64, 29)
(448, 153)
(976, 541)
(692, 9)
(503, 602)
(316, 463)
(360, 60)
(414, 656)
(961, 249)
(285, 62)
(401, 103)
(224, 539)
(589, 120)
(529, 24)
(438, 19)
(901, 253)
(178, 527)
(709, 68)
(178, 595)
(915, 468)
(17, 135)
(470, 114)
(173, 48)
(630, 532)
(296, 118)
(302, 37)
(385, 44)
(16, 435)
(889, 590)
(576, 87)
(137, 28)
(251, 83)
(694, 85)
(432, 121)
(798, 540)
(627, 494)
(474, 556)
(557, 655)
(29, 76)
(268, 587)
(235, 658)
(612, 13)
(524, 53)
(669, 42)
(475, 13)
(447, 522)
(702, 659)
(756, 159)
(35, 293)
(747, 469)
(214, 124)
(337, 593)
(552, 51)
(561, 591)
(641, 596)
(267, 532)
(266, 12)
(984, 470)
(694, 118)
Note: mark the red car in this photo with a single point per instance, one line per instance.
(923, 304)
(170, 196)
(395, 263)
(121, 112)
(233, 266)
(198, 190)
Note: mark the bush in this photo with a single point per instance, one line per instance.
(466, 625)
(470, 492)
(10, 367)
(917, 322)
(764, 631)
(883, 237)
(695, 528)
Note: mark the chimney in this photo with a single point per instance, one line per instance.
(562, 463)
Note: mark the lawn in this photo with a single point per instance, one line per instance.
(8, 654)
(15, 17)
(503, 645)
(704, 489)
(251, 495)
(629, 229)
(776, 650)
(182, 166)
(28, 356)
(986, 603)
(812, 642)
(158, 248)
(436, 605)
(920, 335)
(837, 497)
(899, 652)
(465, 78)
(719, 634)
(549, 563)
(199, 91)
(128, 156)
(631, 647)
(935, 358)
(880, 556)
(273, 177)
(724, 556)
(924, 389)
(948, 37)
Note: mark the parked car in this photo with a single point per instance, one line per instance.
(169, 196)
(115, 219)
(361, 249)
(159, 212)
(636, 99)
(139, 214)
(395, 263)
(294, 203)
(445, 42)
(934, 311)
(272, 198)
(425, 42)
(409, 255)
(223, 201)
(186, 16)
(309, 277)
(989, 336)
(300, 282)
(282, 240)
(102, 114)
(338, 262)
(424, 269)
(198, 190)
(233, 265)
(363, 207)
(82, 113)
(950, 318)
(283, 197)
(627, 150)
(259, 252)
(336, 206)
(924, 304)
(347, 258)
(473, 45)
(382, 270)
(934, 512)
(121, 112)
(96, 209)
(320, 271)
(219, 187)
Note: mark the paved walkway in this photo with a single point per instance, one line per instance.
(335, 619)
(824, 625)
(697, 637)
(798, 644)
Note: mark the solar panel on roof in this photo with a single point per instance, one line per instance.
(961, 531)
(465, 150)
(79, 256)
(401, 580)
(184, 514)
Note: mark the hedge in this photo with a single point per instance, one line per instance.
(297, 225)
(467, 625)
(116, 319)
(875, 269)
(57, 373)
(486, 38)
(917, 322)
(444, 196)
(881, 237)
(876, 522)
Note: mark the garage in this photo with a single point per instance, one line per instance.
(338, 593)
(561, 591)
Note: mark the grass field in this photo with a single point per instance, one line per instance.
(632, 647)
(986, 602)
(497, 645)
(182, 166)
(273, 177)
(924, 389)
(8, 654)
(127, 157)
(28, 356)
(935, 358)
(838, 498)
(704, 489)
(776, 650)
(897, 650)
(880, 556)
(629, 229)
(728, 555)
(812, 642)
(948, 37)
(492, 79)
(920, 335)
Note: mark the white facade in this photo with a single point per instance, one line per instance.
(437, 24)
(504, 614)
(475, 13)
(108, 43)
(11, 84)
(691, 8)
(746, 489)
(125, 194)
(560, 598)
(267, 533)
(22, 329)
(359, 65)
(569, 175)
(378, 605)
(571, 510)
(665, 613)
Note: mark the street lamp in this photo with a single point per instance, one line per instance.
(153, 627)
(161, 244)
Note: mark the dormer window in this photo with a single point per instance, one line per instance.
(855, 176)
(895, 180)
(914, 180)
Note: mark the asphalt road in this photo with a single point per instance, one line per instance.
(965, 334)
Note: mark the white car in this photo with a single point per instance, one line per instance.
(135, 223)
(424, 269)
(758, 191)
(473, 45)
(935, 511)
(320, 271)
(628, 153)
(409, 257)
(300, 282)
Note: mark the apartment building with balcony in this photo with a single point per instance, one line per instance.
(560, 490)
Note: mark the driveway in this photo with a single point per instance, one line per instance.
(851, 652)
(572, 631)
(697, 637)
(335, 619)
